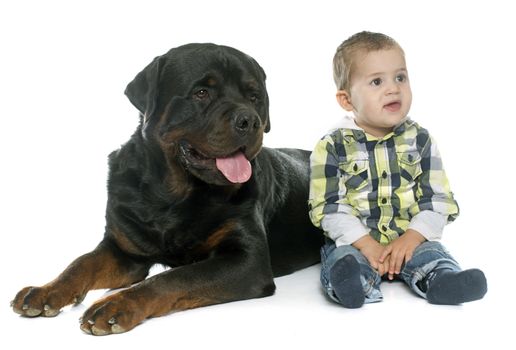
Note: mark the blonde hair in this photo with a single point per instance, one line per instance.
(364, 42)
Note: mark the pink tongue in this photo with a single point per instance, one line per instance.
(236, 168)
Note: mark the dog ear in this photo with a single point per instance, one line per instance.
(143, 90)
(264, 77)
(268, 119)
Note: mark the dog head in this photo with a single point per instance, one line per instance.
(206, 107)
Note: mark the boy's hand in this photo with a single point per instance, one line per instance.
(401, 250)
(373, 250)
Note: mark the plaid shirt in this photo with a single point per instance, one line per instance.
(381, 183)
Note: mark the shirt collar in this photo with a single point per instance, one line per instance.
(403, 126)
(351, 129)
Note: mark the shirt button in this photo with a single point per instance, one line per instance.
(384, 228)
(384, 200)
(384, 174)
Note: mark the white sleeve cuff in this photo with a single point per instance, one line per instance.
(429, 223)
(343, 229)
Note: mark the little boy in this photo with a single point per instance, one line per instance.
(378, 188)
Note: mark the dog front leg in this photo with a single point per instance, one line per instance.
(232, 275)
(104, 267)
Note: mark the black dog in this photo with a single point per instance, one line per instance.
(192, 189)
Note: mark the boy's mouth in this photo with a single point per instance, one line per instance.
(393, 106)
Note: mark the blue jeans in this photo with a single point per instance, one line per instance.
(427, 257)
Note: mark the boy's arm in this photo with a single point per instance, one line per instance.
(344, 229)
(435, 205)
(429, 223)
(329, 206)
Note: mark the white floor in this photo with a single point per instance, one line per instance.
(298, 316)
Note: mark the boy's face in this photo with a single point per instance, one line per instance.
(379, 93)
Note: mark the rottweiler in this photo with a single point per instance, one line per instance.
(193, 189)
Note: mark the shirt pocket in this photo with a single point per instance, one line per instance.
(410, 165)
(355, 174)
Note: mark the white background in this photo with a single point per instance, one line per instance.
(63, 69)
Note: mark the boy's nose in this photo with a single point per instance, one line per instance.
(393, 88)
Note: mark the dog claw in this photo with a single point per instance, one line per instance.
(27, 311)
(49, 312)
(98, 331)
(78, 299)
(117, 329)
(85, 328)
(90, 327)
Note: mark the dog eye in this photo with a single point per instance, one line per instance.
(254, 98)
(202, 94)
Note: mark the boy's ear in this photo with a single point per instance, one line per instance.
(344, 100)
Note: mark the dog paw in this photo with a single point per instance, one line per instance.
(114, 314)
(34, 301)
(41, 301)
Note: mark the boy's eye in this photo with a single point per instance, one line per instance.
(401, 78)
(376, 82)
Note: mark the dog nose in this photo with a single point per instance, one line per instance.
(246, 122)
